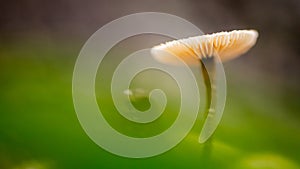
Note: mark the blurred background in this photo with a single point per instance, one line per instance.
(39, 44)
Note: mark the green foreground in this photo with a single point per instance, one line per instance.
(39, 128)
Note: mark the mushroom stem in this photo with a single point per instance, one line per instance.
(208, 71)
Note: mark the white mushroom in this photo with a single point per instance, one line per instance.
(225, 45)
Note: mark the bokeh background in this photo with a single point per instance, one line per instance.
(39, 44)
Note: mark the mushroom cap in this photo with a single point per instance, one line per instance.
(227, 45)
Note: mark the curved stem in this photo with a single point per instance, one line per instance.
(208, 72)
(205, 68)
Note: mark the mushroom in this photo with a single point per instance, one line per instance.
(204, 49)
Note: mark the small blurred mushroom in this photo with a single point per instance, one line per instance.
(136, 94)
(204, 49)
